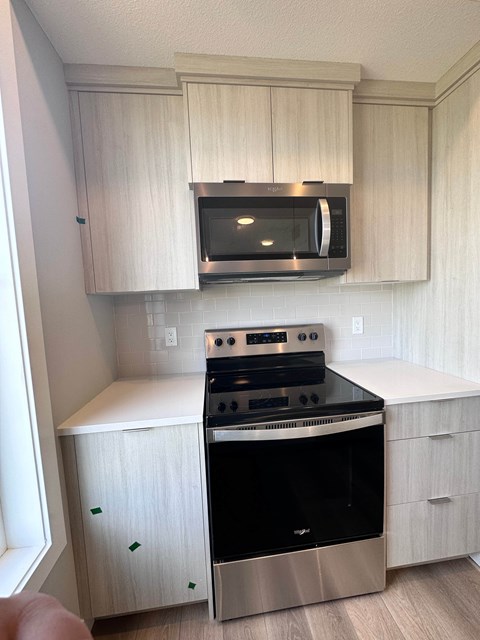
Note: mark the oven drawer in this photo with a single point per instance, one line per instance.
(422, 468)
(433, 530)
(417, 419)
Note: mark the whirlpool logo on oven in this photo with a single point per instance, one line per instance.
(300, 532)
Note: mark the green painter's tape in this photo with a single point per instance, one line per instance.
(134, 546)
(191, 585)
(96, 511)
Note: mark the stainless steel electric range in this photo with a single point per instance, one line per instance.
(295, 473)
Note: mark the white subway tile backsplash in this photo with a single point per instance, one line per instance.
(238, 317)
(157, 306)
(262, 314)
(284, 313)
(227, 304)
(140, 320)
(371, 353)
(152, 357)
(215, 318)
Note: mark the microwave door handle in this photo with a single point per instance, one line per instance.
(326, 227)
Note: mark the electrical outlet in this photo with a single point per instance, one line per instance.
(171, 336)
(357, 325)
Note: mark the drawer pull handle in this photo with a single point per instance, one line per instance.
(441, 436)
(439, 500)
(136, 430)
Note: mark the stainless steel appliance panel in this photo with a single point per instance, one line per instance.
(257, 585)
(301, 231)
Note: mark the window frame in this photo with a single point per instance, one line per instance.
(27, 562)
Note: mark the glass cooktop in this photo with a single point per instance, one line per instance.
(269, 395)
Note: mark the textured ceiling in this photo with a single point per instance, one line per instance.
(393, 39)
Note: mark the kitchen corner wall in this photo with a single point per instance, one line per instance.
(437, 323)
(140, 321)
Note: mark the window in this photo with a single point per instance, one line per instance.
(26, 537)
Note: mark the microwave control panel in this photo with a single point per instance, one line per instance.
(338, 233)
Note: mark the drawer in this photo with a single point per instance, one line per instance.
(422, 531)
(422, 468)
(417, 419)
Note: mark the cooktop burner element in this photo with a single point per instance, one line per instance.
(278, 373)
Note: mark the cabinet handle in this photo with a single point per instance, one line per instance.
(439, 500)
(441, 436)
(136, 430)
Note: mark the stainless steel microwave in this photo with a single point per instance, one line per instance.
(250, 232)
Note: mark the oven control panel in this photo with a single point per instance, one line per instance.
(267, 337)
(254, 400)
(224, 343)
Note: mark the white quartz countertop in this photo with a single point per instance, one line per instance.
(398, 382)
(135, 403)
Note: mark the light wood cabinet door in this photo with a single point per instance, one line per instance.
(312, 135)
(139, 206)
(230, 133)
(435, 417)
(422, 531)
(142, 516)
(389, 198)
(424, 468)
(417, 419)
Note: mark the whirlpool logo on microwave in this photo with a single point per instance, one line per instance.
(300, 532)
(274, 189)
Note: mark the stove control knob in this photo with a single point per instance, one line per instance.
(231, 341)
(221, 407)
(313, 335)
(302, 337)
(303, 399)
(218, 342)
(314, 398)
(234, 405)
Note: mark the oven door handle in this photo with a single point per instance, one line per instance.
(254, 435)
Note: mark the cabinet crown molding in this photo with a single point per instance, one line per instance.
(266, 69)
(99, 77)
(458, 73)
(269, 71)
(395, 92)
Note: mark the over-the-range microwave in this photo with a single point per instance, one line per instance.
(249, 232)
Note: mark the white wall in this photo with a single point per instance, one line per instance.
(437, 323)
(78, 330)
(140, 320)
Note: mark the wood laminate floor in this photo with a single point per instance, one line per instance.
(431, 602)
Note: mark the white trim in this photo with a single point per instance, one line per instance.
(16, 566)
(43, 552)
(25, 521)
(3, 540)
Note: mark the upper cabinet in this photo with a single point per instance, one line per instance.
(312, 135)
(230, 133)
(267, 120)
(136, 209)
(269, 134)
(389, 200)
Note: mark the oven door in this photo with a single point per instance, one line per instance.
(273, 490)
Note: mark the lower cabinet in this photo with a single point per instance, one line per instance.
(433, 480)
(139, 499)
(428, 530)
